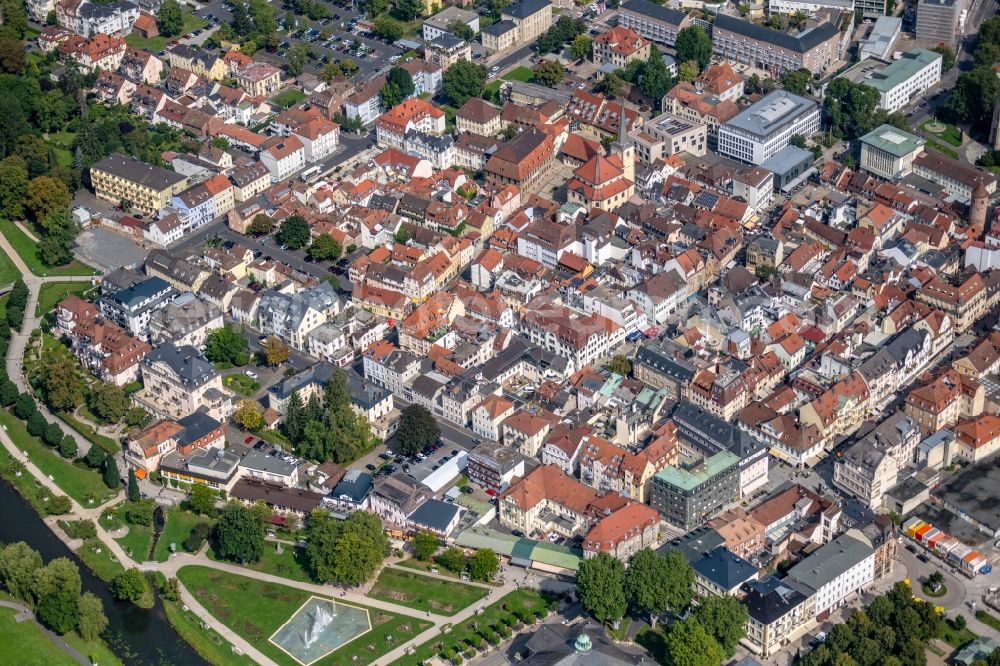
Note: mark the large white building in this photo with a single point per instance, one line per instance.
(767, 126)
(899, 81)
(808, 6)
(837, 570)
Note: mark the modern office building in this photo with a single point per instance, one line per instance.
(652, 21)
(767, 126)
(668, 135)
(687, 495)
(888, 152)
(897, 82)
(940, 21)
(808, 6)
(745, 42)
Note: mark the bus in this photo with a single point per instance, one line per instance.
(309, 174)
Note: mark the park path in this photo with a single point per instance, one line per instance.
(19, 340)
(24, 613)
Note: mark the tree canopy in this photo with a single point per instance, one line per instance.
(724, 618)
(656, 583)
(463, 80)
(348, 551)
(398, 87)
(689, 644)
(294, 232)
(694, 44)
(417, 429)
(227, 345)
(563, 31)
(170, 20)
(239, 535)
(600, 585)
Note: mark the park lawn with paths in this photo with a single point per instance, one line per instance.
(290, 563)
(51, 293)
(256, 609)
(28, 250)
(25, 644)
(157, 44)
(77, 481)
(525, 599)
(177, 528)
(241, 384)
(951, 134)
(103, 564)
(206, 642)
(137, 542)
(424, 592)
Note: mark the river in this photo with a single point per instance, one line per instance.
(137, 636)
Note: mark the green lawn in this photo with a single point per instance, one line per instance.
(291, 563)
(206, 642)
(288, 98)
(8, 271)
(157, 44)
(944, 150)
(412, 563)
(956, 638)
(96, 651)
(25, 644)
(61, 144)
(518, 599)
(178, 527)
(951, 134)
(241, 384)
(51, 293)
(988, 619)
(255, 610)
(521, 73)
(104, 564)
(423, 592)
(29, 253)
(76, 481)
(655, 642)
(137, 542)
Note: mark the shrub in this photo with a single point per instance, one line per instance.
(37, 424)
(53, 435)
(67, 447)
(199, 533)
(24, 407)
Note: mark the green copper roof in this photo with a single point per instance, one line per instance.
(689, 479)
(892, 140)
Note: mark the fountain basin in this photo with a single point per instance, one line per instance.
(319, 627)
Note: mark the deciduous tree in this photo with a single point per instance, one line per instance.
(452, 559)
(131, 585)
(170, 20)
(325, 248)
(417, 429)
(549, 73)
(108, 402)
(226, 345)
(483, 565)
(580, 47)
(693, 44)
(600, 585)
(91, 621)
(63, 387)
(239, 535)
(249, 415)
(425, 544)
(345, 551)
(45, 195)
(202, 499)
(18, 564)
(294, 232)
(275, 351)
(724, 619)
(620, 365)
(689, 644)
(463, 80)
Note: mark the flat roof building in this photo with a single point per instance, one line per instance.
(815, 48)
(652, 21)
(767, 126)
(888, 152)
(687, 496)
(899, 81)
(939, 21)
(881, 38)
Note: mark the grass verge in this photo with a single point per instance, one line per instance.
(256, 609)
(955, 637)
(8, 271)
(25, 643)
(90, 433)
(78, 482)
(28, 250)
(942, 149)
(424, 593)
(988, 619)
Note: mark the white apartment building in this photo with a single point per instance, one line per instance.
(768, 126)
(319, 138)
(284, 158)
(808, 6)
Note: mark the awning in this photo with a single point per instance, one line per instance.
(140, 473)
(520, 562)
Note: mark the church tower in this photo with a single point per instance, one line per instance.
(624, 148)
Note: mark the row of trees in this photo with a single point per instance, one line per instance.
(482, 565)
(53, 591)
(327, 430)
(562, 32)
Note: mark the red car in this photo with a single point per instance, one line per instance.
(491, 492)
(248, 439)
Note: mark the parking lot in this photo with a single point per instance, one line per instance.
(370, 53)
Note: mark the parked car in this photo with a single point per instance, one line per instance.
(251, 374)
(370, 467)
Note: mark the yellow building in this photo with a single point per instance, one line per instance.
(519, 23)
(200, 62)
(259, 79)
(144, 186)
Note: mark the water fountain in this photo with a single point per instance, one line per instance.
(320, 621)
(319, 627)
